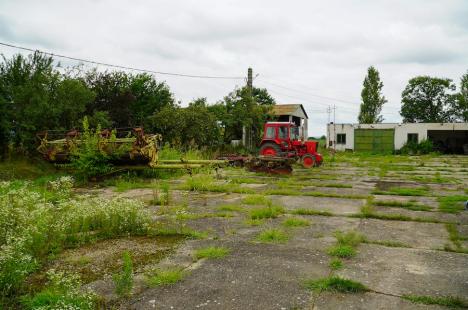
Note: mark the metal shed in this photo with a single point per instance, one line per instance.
(293, 113)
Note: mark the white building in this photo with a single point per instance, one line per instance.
(447, 137)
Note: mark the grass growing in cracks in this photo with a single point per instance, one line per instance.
(256, 200)
(455, 237)
(452, 204)
(448, 301)
(211, 252)
(272, 236)
(231, 208)
(311, 212)
(271, 211)
(346, 244)
(403, 204)
(295, 222)
(335, 284)
(335, 264)
(367, 211)
(160, 277)
(401, 191)
(342, 251)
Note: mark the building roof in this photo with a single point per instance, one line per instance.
(288, 109)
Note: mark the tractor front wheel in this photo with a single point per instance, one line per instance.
(270, 149)
(308, 161)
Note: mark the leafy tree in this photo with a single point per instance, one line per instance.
(25, 86)
(427, 100)
(372, 99)
(35, 97)
(113, 95)
(130, 100)
(241, 108)
(99, 119)
(194, 125)
(262, 97)
(71, 98)
(460, 104)
(150, 97)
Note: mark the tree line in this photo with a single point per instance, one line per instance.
(425, 99)
(37, 95)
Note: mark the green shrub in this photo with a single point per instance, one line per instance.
(87, 158)
(123, 281)
(421, 148)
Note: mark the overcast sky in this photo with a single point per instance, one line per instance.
(302, 51)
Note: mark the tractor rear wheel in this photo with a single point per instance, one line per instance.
(308, 161)
(270, 149)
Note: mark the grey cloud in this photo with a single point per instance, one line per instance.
(322, 47)
(426, 56)
(12, 32)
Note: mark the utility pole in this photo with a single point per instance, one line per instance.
(334, 130)
(328, 127)
(247, 131)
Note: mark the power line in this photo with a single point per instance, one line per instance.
(123, 67)
(295, 97)
(310, 94)
(305, 100)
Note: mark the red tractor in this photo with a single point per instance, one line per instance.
(281, 139)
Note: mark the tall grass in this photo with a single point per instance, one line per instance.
(123, 280)
(168, 152)
(37, 223)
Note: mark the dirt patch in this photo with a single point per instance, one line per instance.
(101, 259)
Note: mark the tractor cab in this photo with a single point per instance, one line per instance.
(284, 139)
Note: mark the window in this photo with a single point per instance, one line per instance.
(341, 138)
(294, 133)
(283, 132)
(270, 133)
(412, 138)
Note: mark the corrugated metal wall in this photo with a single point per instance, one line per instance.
(374, 140)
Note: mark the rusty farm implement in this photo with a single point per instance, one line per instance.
(128, 148)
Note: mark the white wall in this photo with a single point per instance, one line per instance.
(401, 131)
(347, 129)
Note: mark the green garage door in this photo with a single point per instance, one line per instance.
(374, 140)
